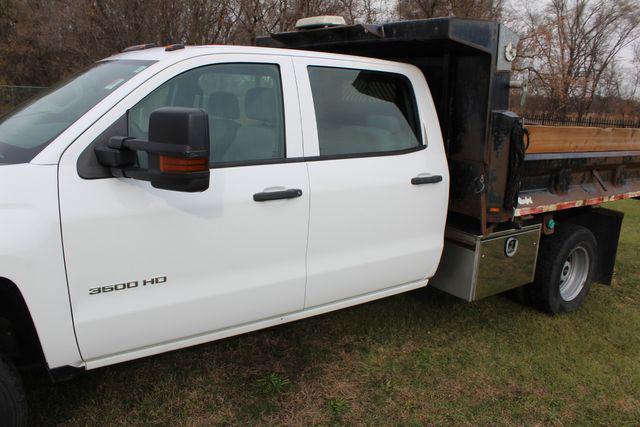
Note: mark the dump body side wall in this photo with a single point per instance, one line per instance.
(558, 181)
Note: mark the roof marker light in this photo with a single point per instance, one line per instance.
(140, 47)
(172, 47)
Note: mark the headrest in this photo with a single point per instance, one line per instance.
(260, 104)
(225, 105)
(187, 93)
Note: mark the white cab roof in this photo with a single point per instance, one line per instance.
(159, 54)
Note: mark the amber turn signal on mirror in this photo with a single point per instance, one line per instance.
(175, 164)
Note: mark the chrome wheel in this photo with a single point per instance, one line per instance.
(574, 273)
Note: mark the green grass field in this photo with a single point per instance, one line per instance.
(413, 359)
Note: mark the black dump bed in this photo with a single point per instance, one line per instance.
(467, 64)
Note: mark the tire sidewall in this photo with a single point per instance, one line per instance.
(572, 237)
(13, 408)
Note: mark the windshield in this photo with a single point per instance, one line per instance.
(29, 129)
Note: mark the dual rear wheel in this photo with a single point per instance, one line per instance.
(565, 270)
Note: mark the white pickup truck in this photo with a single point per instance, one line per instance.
(167, 197)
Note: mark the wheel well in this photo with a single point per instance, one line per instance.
(605, 224)
(18, 337)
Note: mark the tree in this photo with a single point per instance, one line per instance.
(570, 47)
(24, 48)
(483, 9)
(44, 40)
(569, 52)
(261, 17)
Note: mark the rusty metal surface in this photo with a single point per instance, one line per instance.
(505, 165)
(555, 182)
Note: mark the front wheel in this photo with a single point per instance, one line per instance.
(565, 270)
(13, 404)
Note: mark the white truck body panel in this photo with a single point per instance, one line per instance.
(369, 228)
(360, 231)
(228, 260)
(255, 326)
(31, 256)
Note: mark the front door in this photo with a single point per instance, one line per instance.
(147, 267)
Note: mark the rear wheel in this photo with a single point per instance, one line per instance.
(13, 404)
(565, 270)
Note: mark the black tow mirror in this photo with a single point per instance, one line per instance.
(178, 151)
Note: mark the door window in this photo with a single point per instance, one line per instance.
(244, 104)
(363, 111)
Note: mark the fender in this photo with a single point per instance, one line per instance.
(31, 256)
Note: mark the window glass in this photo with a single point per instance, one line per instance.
(360, 111)
(244, 104)
(29, 129)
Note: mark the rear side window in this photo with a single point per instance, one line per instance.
(363, 111)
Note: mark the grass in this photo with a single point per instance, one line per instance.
(414, 359)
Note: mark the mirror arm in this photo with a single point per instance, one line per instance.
(159, 148)
(113, 156)
(147, 175)
(119, 155)
(120, 151)
(178, 151)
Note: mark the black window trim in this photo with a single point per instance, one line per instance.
(222, 165)
(243, 163)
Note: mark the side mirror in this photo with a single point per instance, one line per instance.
(178, 150)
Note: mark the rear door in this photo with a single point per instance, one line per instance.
(378, 177)
(149, 269)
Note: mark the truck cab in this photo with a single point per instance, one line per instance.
(327, 186)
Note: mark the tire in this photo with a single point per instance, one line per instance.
(565, 270)
(13, 403)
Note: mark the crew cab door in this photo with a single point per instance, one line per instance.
(149, 269)
(378, 177)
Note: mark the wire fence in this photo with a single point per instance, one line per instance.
(12, 96)
(546, 120)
